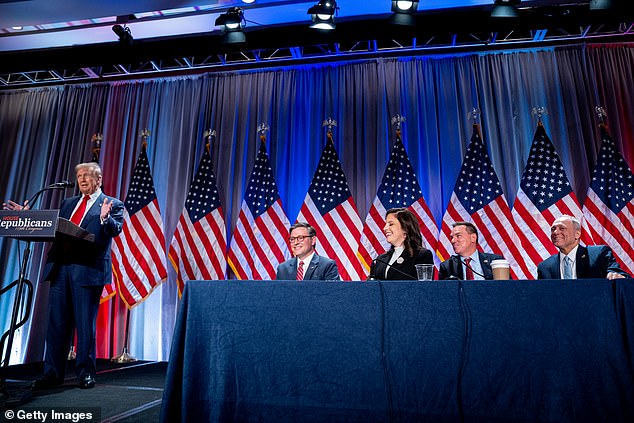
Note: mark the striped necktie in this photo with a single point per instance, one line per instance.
(300, 271)
(469, 272)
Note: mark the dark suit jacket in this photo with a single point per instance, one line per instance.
(399, 271)
(320, 269)
(89, 264)
(592, 262)
(453, 267)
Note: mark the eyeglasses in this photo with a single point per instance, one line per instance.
(299, 238)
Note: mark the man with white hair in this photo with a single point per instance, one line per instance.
(77, 278)
(575, 261)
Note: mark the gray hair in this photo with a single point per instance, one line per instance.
(575, 222)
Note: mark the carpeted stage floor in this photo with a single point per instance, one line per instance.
(130, 392)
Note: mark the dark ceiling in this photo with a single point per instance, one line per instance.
(461, 29)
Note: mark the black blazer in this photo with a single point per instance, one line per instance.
(405, 270)
(592, 262)
(453, 267)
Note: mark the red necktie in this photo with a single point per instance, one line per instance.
(79, 213)
(469, 271)
(300, 271)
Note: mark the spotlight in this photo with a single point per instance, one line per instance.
(403, 11)
(232, 23)
(124, 34)
(505, 9)
(323, 14)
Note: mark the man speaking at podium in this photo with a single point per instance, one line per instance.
(77, 279)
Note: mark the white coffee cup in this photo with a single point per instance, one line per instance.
(501, 269)
(425, 272)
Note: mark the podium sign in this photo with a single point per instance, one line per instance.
(36, 225)
(41, 225)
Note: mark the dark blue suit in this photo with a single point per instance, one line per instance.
(77, 274)
(592, 262)
(453, 267)
(319, 269)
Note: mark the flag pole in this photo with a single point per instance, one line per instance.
(329, 123)
(540, 112)
(601, 115)
(474, 114)
(263, 128)
(125, 357)
(397, 120)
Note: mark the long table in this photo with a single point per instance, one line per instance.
(443, 351)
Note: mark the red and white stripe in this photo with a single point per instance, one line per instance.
(198, 250)
(614, 230)
(259, 245)
(338, 234)
(138, 254)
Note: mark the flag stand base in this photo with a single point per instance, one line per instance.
(72, 354)
(123, 358)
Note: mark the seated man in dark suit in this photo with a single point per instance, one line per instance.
(306, 264)
(575, 261)
(468, 263)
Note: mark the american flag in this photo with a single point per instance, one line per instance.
(259, 242)
(399, 188)
(138, 254)
(478, 198)
(199, 245)
(330, 209)
(545, 194)
(609, 206)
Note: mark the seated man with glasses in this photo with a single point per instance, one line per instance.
(306, 264)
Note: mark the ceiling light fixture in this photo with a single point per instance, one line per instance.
(124, 33)
(323, 14)
(232, 23)
(505, 9)
(403, 12)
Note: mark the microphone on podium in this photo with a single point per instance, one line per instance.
(399, 271)
(56, 185)
(62, 184)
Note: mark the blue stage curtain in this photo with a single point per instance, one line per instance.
(45, 131)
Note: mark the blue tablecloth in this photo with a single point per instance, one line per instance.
(507, 351)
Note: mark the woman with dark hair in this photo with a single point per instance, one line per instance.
(399, 263)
